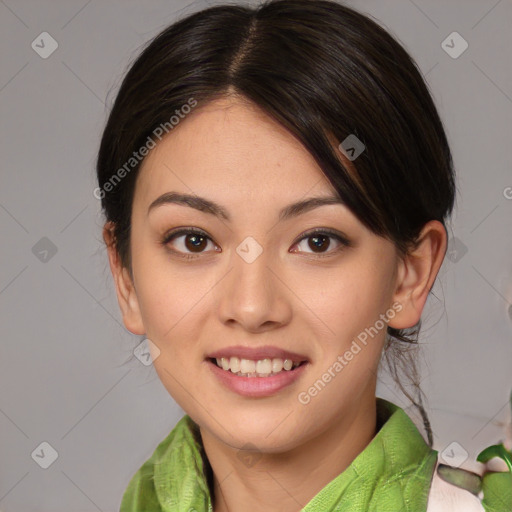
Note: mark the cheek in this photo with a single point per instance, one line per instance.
(172, 312)
(351, 334)
(347, 300)
(173, 301)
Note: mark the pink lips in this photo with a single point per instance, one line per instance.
(257, 353)
(257, 387)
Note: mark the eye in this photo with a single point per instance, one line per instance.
(320, 242)
(193, 240)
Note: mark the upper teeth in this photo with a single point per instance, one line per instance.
(263, 367)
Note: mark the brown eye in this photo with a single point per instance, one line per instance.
(195, 243)
(320, 241)
(187, 241)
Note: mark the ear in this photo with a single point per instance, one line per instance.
(126, 295)
(416, 274)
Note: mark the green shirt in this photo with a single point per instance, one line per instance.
(393, 473)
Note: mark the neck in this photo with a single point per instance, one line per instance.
(289, 480)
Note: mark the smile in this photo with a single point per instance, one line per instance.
(254, 384)
(251, 368)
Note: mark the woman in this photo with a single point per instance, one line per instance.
(276, 182)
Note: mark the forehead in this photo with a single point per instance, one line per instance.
(229, 145)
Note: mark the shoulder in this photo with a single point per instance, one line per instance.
(171, 459)
(140, 494)
(446, 497)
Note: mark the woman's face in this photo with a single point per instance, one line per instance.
(256, 279)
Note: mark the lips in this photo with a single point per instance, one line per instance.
(258, 387)
(257, 353)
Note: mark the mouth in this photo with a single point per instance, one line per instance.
(267, 367)
(256, 379)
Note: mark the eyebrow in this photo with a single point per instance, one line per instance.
(205, 205)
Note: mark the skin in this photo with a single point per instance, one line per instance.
(291, 296)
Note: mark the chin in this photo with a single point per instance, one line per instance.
(270, 436)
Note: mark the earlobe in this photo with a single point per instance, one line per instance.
(125, 290)
(416, 274)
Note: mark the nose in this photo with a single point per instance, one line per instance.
(255, 294)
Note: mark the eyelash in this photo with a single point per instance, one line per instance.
(309, 234)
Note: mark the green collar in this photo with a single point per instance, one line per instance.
(393, 472)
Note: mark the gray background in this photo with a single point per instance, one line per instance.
(63, 346)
